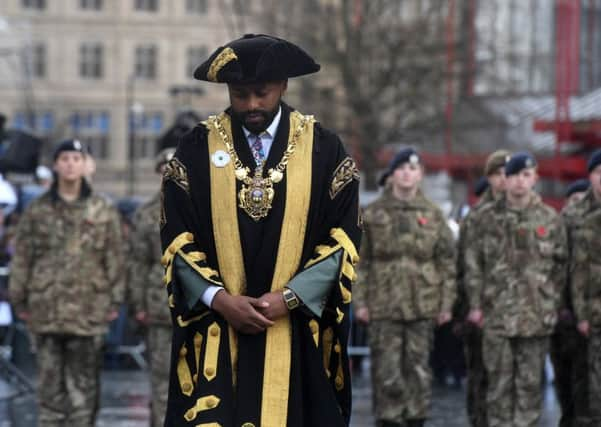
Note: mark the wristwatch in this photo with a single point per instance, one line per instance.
(290, 299)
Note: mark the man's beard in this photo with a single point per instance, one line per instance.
(256, 127)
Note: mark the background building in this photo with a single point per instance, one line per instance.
(106, 70)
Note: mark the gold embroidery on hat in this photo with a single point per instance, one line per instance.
(225, 56)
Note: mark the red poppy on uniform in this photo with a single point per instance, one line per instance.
(541, 231)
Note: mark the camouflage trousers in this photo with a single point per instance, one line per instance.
(568, 354)
(514, 367)
(401, 373)
(477, 381)
(68, 379)
(158, 345)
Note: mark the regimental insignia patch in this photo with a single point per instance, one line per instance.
(345, 172)
(175, 171)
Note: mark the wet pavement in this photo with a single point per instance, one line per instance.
(125, 397)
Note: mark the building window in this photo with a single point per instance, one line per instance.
(90, 61)
(93, 129)
(146, 128)
(41, 122)
(146, 59)
(34, 4)
(147, 5)
(90, 4)
(196, 6)
(196, 55)
(37, 61)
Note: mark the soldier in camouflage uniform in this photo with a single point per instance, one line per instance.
(568, 347)
(148, 295)
(406, 283)
(494, 170)
(514, 274)
(66, 283)
(583, 220)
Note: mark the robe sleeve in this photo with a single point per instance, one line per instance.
(187, 270)
(328, 275)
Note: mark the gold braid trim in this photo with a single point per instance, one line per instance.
(225, 56)
(203, 404)
(276, 377)
(224, 212)
(183, 372)
(341, 237)
(207, 273)
(179, 242)
(183, 323)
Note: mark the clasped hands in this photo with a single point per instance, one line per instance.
(249, 315)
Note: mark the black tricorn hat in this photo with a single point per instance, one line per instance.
(255, 59)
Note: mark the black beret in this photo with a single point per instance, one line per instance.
(481, 186)
(254, 59)
(405, 155)
(69, 145)
(594, 160)
(577, 186)
(518, 162)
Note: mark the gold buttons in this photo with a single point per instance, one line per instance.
(189, 237)
(214, 331)
(190, 414)
(248, 425)
(314, 328)
(164, 261)
(186, 387)
(210, 372)
(337, 348)
(211, 403)
(172, 250)
(195, 378)
(339, 382)
(183, 352)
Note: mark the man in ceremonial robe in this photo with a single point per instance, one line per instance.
(260, 229)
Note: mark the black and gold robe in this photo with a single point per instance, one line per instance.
(296, 373)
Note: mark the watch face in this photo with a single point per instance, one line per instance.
(290, 299)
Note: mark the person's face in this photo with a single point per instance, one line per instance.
(595, 178)
(576, 197)
(255, 105)
(496, 180)
(407, 176)
(521, 183)
(70, 165)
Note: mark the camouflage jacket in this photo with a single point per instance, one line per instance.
(514, 267)
(461, 308)
(147, 290)
(67, 271)
(407, 267)
(583, 222)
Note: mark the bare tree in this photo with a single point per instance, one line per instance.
(391, 62)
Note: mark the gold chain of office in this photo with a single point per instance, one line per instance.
(257, 192)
